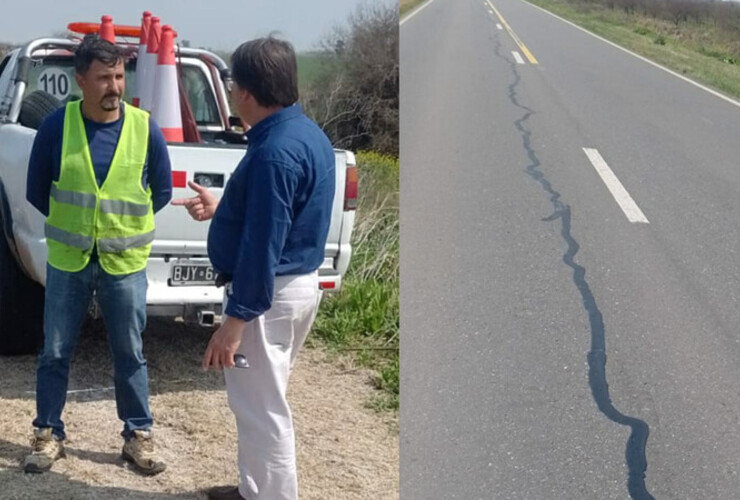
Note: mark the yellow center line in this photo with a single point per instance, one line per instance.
(524, 48)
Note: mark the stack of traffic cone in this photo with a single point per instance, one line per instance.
(150, 61)
(166, 98)
(106, 29)
(141, 66)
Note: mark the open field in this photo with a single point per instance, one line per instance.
(695, 50)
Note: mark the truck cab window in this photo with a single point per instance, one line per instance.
(200, 96)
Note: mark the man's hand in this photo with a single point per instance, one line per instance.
(200, 207)
(223, 345)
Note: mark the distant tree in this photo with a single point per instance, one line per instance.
(354, 98)
(627, 6)
(678, 11)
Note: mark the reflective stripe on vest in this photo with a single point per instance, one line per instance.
(118, 215)
(119, 207)
(108, 206)
(121, 244)
(71, 239)
(73, 198)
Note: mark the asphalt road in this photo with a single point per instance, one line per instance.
(551, 348)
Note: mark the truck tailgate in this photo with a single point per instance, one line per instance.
(178, 234)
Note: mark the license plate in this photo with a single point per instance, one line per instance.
(191, 273)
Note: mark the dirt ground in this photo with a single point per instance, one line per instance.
(345, 451)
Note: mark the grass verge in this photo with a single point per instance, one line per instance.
(695, 50)
(407, 6)
(363, 317)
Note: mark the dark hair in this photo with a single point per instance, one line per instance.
(93, 48)
(267, 69)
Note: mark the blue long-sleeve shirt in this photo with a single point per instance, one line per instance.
(274, 215)
(44, 165)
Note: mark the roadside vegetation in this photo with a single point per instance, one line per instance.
(696, 38)
(408, 5)
(362, 319)
(350, 87)
(353, 90)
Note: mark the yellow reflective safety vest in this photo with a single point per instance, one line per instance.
(117, 216)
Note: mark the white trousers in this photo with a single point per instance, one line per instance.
(266, 447)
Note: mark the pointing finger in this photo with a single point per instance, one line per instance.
(180, 202)
(197, 187)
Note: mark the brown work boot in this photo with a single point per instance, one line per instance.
(224, 493)
(139, 450)
(46, 450)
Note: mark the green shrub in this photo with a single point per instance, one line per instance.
(640, 30)
(354, 97)
(364, 315)
(387, 381)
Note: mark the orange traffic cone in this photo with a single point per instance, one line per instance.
(141, 67)
(166, 104)
(150, 60)
(106, 29)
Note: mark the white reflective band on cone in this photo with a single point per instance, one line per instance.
(146, 20)
(141, 76)
(150, 61)
(166, 105)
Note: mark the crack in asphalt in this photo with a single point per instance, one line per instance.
(637, 441)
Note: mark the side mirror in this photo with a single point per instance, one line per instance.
(235, 134)
(235, 122)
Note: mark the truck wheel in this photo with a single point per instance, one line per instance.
(35, 107)
(21, 307)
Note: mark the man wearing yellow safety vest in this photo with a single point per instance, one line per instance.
(99, 170)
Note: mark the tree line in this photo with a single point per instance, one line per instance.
(354, 95)
(724, 16)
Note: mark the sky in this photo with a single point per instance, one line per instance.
(215, 24)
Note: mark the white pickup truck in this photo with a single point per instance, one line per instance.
(38, 78)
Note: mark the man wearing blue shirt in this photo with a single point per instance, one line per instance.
(98, 171)
(267, 237)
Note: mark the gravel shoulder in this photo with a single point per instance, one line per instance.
(345, 451)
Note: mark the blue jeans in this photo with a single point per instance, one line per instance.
(122, 300)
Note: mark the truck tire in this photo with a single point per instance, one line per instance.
(21, 305)
(35, 107)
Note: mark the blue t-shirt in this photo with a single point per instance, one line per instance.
(44, 165)
(273, 218)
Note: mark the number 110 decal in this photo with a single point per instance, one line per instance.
(55, 82)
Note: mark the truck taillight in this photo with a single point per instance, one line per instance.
(350, 188)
